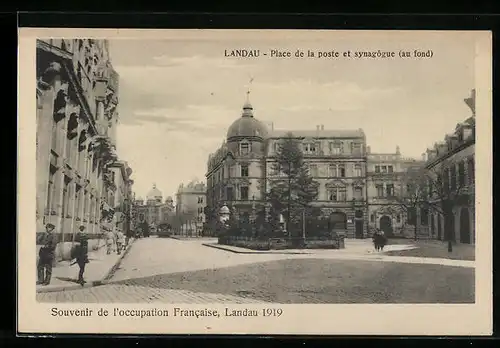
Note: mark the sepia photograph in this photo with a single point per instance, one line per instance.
(255, 168)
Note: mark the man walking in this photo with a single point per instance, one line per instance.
(46, 255)
(110, 240)
(120, 241)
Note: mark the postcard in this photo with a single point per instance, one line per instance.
(269, 182)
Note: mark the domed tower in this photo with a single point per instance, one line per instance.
(154, 195)
(246, 141)
(246, 135)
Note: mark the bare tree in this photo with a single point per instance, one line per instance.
(412, 195)
(446, 187)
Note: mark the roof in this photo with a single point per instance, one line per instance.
(154, 193)
(336, 133)
(247, 125)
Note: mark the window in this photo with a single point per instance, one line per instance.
(337, 194)
(377, 169)
(244, 170)
(357, 170)
(446, 180)
(337, 221)
(453, 174)
(310, 148)
(229, 193)
(389, 189)
(380, 190)
(244, 193)
(356, 148)
(335, 148)
(358, 193)
(398, 218)
(470, 171)
(390, 169)
(332, 170)
(313, 170)
(461, 174)
(383, 169)
(244, 148)
(341, 170)
(372, 218)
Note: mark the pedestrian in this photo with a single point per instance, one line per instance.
(46, 255)
(120, 241)
(110, 239)
(82, 254)
(376, 239)
(383, 240)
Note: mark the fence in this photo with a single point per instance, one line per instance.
(323, 242)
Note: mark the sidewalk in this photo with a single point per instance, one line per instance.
(358, 252)
(100, 268)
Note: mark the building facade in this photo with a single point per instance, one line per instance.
(121, 199)
(241, 171)
(154, 211)
(77, 115)
(451, 169)
(385, 189)
(191, 200)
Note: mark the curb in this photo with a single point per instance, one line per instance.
(117, 264)
(90, 284)
(253, 252)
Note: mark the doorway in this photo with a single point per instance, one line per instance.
(359, 228)
(386, 224)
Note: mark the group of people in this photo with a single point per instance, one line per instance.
(46, 254)
(115, 242)
(379, 240)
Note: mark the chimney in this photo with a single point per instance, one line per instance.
(317, 128)
(424, 157)
(398, 152)
(322, 127)
(368, 150)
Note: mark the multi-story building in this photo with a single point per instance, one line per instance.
(77, 116)
(154, 211)
(239, 173)
(450, 165)
(387, 209)
(121, 199)
(190, 207)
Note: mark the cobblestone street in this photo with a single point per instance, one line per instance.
(185, 271)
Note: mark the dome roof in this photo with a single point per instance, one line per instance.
(224, 210)
(154, 193)
(247, 126)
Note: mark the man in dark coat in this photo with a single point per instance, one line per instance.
(82, 255)
(46, 255)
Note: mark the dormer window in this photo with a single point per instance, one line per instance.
(310, 148)
(245, 148)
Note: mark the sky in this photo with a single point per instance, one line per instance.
(179, 94)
